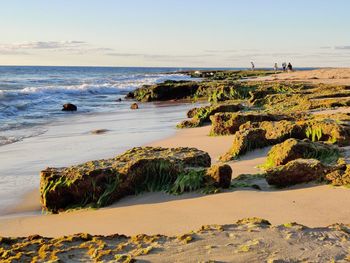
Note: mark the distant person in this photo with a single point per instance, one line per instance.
(275, 67)
(290, 67)
(284, 66)
(253, 66)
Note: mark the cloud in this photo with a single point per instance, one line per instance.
(69, 47)
(342, 47)
(157, 56)
(220, 51)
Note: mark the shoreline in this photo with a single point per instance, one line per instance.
(71, 142)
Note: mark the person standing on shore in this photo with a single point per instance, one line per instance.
(290, 67)
(275, 67)
(253, 66)
(284, 66)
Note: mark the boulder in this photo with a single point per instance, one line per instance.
(292, 149)
(221, 174)
(99, 183)
(202, 115)
(134, 106)
(229, 123)
(296, 172)
(339, 176)
(69, 107)
(168, 90)
(244, 141)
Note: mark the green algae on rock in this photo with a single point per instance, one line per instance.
(292, 149)
(99, 183)
(229, 123)
(202, 115)
(168, 90)
(245, 141)
(339, 176)
(296, 172)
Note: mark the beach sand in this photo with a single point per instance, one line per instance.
(336, 76)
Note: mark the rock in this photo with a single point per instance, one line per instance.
(202, 115)
(99, 131)
(130, 95)
(221, 174)
(168, 90)
(229, 123)
(339, 176)
(244, 141)
(292, 149)
(99, 183)
(296, 172)
(118, 100)
(326, 130)
(134, 106)
(69, 107)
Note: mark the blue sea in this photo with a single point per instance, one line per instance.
(33, 96)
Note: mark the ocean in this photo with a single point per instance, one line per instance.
(33, 96)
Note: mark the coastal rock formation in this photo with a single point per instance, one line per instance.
(99, 183)
(242, 241)
(69, 107)
(229, 123)
(292, 149)
(296, 172)
(221, 174)
(202, 115)
(168, 90)
(244, 141)
(339, 176)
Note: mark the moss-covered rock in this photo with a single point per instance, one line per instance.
(339, 176)
(168, 90)
(221, 174)
(99, 183)
(292, 149)
(201, 115)
(296, 172)
(244, 141)
(229, 123)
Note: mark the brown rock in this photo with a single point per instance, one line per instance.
(134, 106)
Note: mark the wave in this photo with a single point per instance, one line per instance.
(120, 86)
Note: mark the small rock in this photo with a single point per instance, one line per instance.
(118, 100)
(99, 131)
(69, 107)
(134, 106)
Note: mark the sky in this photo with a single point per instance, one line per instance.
(179, 33)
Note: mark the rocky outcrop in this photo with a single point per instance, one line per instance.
(202, 115)
(292, 149)
(296, 172)
(244, 141)
(99, 183)
(168, 90)
(339, 176)
(221, 174)
(229, 123)
(69, 107)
